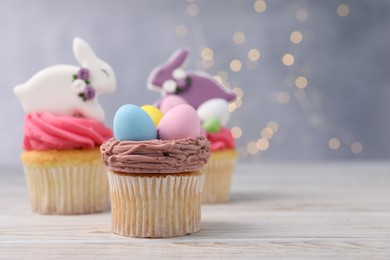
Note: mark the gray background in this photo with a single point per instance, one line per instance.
(346, 61)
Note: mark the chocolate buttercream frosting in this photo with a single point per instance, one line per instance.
(156, 156)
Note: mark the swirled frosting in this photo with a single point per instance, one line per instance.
(46, 131)
(221, 140)
(155, 156)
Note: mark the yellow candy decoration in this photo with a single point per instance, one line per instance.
(154, 113)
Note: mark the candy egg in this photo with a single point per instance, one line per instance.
(154, 113)
(180, 122)
(131, 123)
(217, 108)
(170, 101)
(203, 132)
(212, 125)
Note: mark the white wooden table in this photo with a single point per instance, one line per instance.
(317, 210)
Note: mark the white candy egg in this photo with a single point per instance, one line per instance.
(217, 108)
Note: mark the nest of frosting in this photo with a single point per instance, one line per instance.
(156, 156)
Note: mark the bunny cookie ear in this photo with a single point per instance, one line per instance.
(82, 51)
(178, 58)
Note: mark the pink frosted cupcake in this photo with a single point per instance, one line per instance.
(220, 167)
(210, 99)
(63, 130)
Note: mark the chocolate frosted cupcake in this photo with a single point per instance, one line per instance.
(156, 185)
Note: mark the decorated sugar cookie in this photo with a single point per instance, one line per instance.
(69, 90)
(195, 87)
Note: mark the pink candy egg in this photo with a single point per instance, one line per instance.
(169, 102)
(182, 121)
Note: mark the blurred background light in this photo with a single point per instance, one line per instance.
(310, 76)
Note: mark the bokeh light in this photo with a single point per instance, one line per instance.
(193, 9)
(334, 143)
(283, 97)
(301, 15)
(267, 133)
(343, 10)
(218, 79)
(252, 148)
(223, 74)
(260, 6)
(239, 38)
(356, 147)
(273, 125)
(296, 37)
(239, 92)
(181, 30)
(288, 59)
(235, 65)
(262, 144)
(236, 132)
(253, 54)
(301, 82)
(207, 54)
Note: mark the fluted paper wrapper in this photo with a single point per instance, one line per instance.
(218, 176)
(157, 205)
(68, 189)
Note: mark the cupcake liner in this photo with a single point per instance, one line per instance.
(155, 205)
(218, 171)
(68, 189)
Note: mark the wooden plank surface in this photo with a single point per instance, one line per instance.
(279, 211)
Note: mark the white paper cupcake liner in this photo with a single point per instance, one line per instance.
(68, 189)
(156, 206)
(219, 172)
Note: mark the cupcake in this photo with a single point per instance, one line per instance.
(63, 130)
(220, 167)
(210, 99)
(154, 165)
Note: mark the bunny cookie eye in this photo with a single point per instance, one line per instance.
(105, 72)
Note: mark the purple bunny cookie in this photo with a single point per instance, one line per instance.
(194, 87)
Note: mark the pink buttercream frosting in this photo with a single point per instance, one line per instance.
(221, 140)
(46, 131)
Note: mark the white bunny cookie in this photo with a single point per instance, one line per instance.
(69, 90)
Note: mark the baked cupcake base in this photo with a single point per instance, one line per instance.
(155, 205)
(66, 182)
(218, 176)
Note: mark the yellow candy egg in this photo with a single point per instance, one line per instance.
(154, 113)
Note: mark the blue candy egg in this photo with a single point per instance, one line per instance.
(131, 123)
